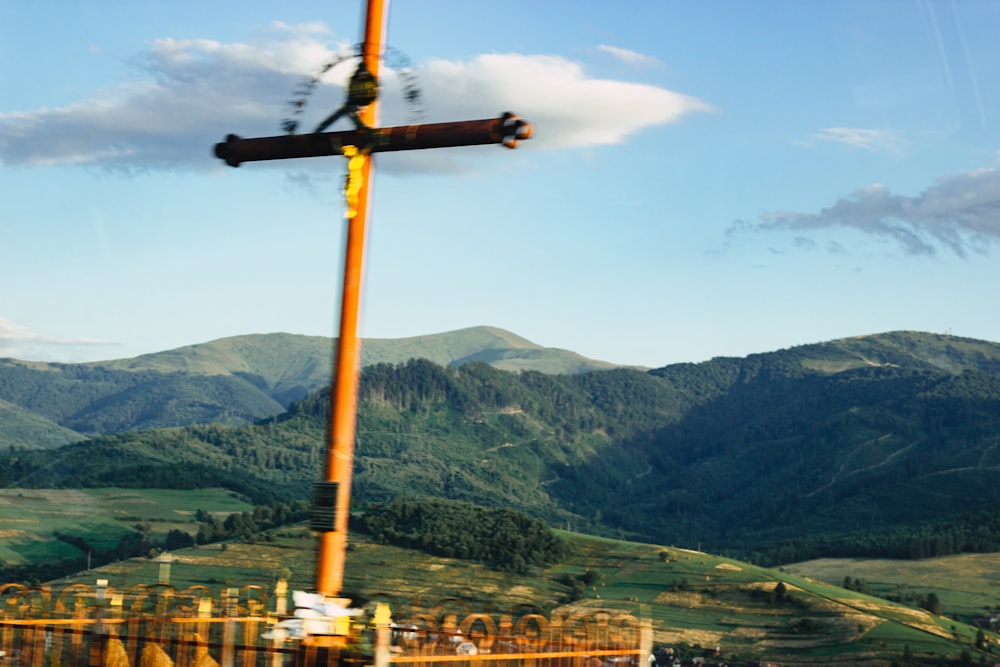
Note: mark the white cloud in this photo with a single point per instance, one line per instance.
(191, 93)
(630, 57)
(567, 108)
(865, 139)
(20, 342)
(194, 91)
(960, 212)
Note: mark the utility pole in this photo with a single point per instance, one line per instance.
(344, 391)
(331, 499)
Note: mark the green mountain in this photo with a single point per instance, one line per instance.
(878, 445)
(230, 380)
(289, 363)
(24, 429)
(855, 434)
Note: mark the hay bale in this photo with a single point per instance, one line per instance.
(154, 656)
(201, 655)
(205, 660)
(115, 654)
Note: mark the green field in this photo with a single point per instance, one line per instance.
(30, 519)
(694, 599)
(968, 585)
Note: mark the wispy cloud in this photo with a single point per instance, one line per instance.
(187, 94)
(192, 92)
(630, 57)
(865, 139)
(20, 342)
(960, 212)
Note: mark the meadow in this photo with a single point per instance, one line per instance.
(694, 600)
(32, 519)
(967, 585)
(801, 614)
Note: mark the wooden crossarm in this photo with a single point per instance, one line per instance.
(507, 129)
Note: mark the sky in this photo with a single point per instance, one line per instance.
(706, 177)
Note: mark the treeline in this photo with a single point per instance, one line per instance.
(249, 525)
(503, 538)
(975, 532)
(620, 402)
(265, 463)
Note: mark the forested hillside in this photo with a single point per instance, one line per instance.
(503, 538)
(877, 445)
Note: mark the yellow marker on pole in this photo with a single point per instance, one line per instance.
(352, 185)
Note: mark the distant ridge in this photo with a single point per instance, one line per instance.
(497, 347)
(282, 355)
(957, 355)
(912, 349)
(231, 380)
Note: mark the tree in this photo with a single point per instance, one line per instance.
(178, 539)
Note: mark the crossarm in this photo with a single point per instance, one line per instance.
(506, 130)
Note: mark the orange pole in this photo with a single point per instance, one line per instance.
(344, 393)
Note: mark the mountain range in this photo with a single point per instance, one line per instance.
(886, 444)
(232, 380)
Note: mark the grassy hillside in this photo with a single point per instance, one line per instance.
(285, 366)
(951, 354)
(32, 519)
(966, 584)
(24, 429)
(274, 358)
(694, 599)
(496, 347)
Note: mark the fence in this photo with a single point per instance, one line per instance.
(158, 626)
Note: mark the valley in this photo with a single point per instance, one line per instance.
(805, 467)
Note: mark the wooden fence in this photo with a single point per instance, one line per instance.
(158, 626)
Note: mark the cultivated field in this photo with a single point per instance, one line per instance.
(31, 519)
(968, 585)
(693, 599)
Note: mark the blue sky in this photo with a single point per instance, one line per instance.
(706, 179)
